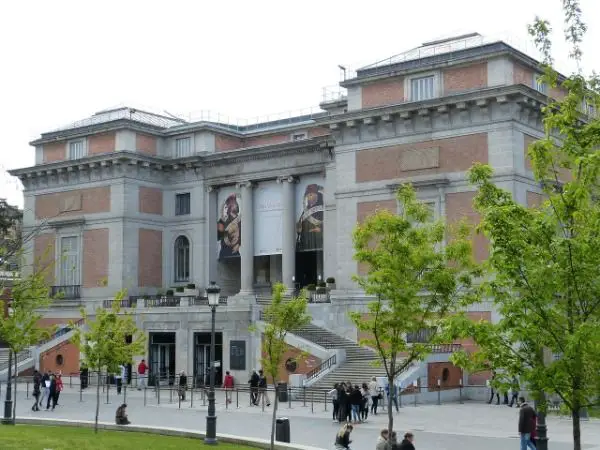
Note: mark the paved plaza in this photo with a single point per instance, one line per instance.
(469, 426)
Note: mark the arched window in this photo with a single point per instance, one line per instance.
(182, 259)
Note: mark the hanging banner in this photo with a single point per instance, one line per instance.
(268, 219)
(229, 225)
(310, 206)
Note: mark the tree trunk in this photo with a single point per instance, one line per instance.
(576, 418)
(390, 403)
(274, 418)
(97, 403)
(15, 391)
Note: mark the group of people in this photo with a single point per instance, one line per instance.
(514, 393)
(384, 442)
(258, 388)
(353, 403)
(46, 387)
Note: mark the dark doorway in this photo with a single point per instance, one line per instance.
(307, 264)
(202, 358)
(162, 358)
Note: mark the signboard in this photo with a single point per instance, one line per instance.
(237, 355)
(268, 219)
(229, 223)
(310, 211)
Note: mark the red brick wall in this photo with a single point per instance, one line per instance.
(101, 143)
(75, 202)
(55, 151)
(272, 139)
(435, 372)
(304, 364)
(316, 132)
(459, 79)
(365, 209)
(534, 199)
(70, 356)
(150, 258)
(225, 143)
(557, 93)
(380, 93)
(44, 248)
(49, 322)
(146, 144)
(455, 154)
(151, 200)
(459, 206)
(522, 75)
(95, 257)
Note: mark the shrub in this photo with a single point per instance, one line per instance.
(321, 290)
(191, 286)
(169, 292)
(311, 287)
(331, 280)
(321, 284)
(179, 289)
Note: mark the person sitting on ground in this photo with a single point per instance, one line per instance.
(382, 440)
(121, 416)
(342, 439)
(408, 442)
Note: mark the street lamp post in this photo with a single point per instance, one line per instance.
(8, 403)
(212, 293)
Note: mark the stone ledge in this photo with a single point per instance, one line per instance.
(164, 431)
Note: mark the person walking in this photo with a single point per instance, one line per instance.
(493, 391)
(121, 375)
(366, 398)
(59, 388)
(51, 393)
(373, 389)
(342, 438)
(333, 395)
(228, 384)
(262, 389)
(45, 388)
(253, 382)
(382, 440)
(356, 401)
(514, 387)
(408, 443)
(392, 392)
(182, 385)
(142, 371)
(37, 380)
(526, 420)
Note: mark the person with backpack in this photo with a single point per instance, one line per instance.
(228, 384)
(37, 380)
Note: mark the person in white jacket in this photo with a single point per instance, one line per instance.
(374, 391)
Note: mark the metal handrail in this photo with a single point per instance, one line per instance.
(327, 364)
(61, 332)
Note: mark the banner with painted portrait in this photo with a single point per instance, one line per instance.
(310, 213)
(229, 223)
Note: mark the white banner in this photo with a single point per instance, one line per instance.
(229, 223)
(310, 211)
(268, 219)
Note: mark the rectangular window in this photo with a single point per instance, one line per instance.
(299, 136)
(422, 88)
(76, 150)
(540, 86)
(69, 261)
(183, 147)
(182, 204)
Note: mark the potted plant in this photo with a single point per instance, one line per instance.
(190, 289)
(170, 292)
(179, 291)
(311, 287)
(321, 284)
(321, 290)
(330, 283)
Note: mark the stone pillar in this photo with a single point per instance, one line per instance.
(288, 257)
(210, 247)
(247, 247)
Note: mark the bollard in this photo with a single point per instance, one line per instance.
(80, 393)
(400, 398)
(158, 391)
(107, 392)
(203, 397)
(325, 400)
(179, 397)
(171, 394)
(145, 396)
(237, 398)
(27, 384)
(312, 401)
(226, 398)
(415, 398)
(70, 381)
(460, 386)
(439, 386)
(304, 390)
(289, 397)
(192, 397)
(125, 393)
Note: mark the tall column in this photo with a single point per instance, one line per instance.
(288, 257)
(210, 247)
(247, 247)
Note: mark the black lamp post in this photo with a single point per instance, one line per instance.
(8, 403)
(212, 292)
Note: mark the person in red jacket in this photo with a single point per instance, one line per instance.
(228, 386)
(59, 388)
(142, 374)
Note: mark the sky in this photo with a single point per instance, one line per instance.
(65, 60)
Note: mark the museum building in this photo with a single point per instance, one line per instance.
(152, 203)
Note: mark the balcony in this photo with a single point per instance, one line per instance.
(66, 292)
(162, 301)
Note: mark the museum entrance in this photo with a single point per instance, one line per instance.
(202, 358)
(308, 267)
(162, 358)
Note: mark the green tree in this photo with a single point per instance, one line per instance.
(281, 317)
(20, 328)
(104, 346)
(416, 276)
(544, 264)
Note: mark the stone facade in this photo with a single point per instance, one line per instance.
(152, 201)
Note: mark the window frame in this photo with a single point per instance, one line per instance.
(190, 147)
(179, 196)
(303, 134)
(177, 270)
(75, 279)
(408, 87)
(83, 142)
(539, 85)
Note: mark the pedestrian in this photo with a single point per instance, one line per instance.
(408, 443)
(142, 370)
(262, 389)
(37, 380)
(366, 398)
(493, 391)
(182, 385)
(121, 375)
(45, 388)
(121, 415)
(333, 395)
(228, 384)
(253, 382)
(514, 387)
(356, 401)
(382, 440)
(392, 394)
(51, 393)
(342, 438)
(343, 403)
(526, 421)
(59, 387)
(373, 389)
(83, 377)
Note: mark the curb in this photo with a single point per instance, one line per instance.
(164, 431)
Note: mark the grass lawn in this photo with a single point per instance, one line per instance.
(32, 437)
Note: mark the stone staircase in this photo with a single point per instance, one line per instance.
(359, 366)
